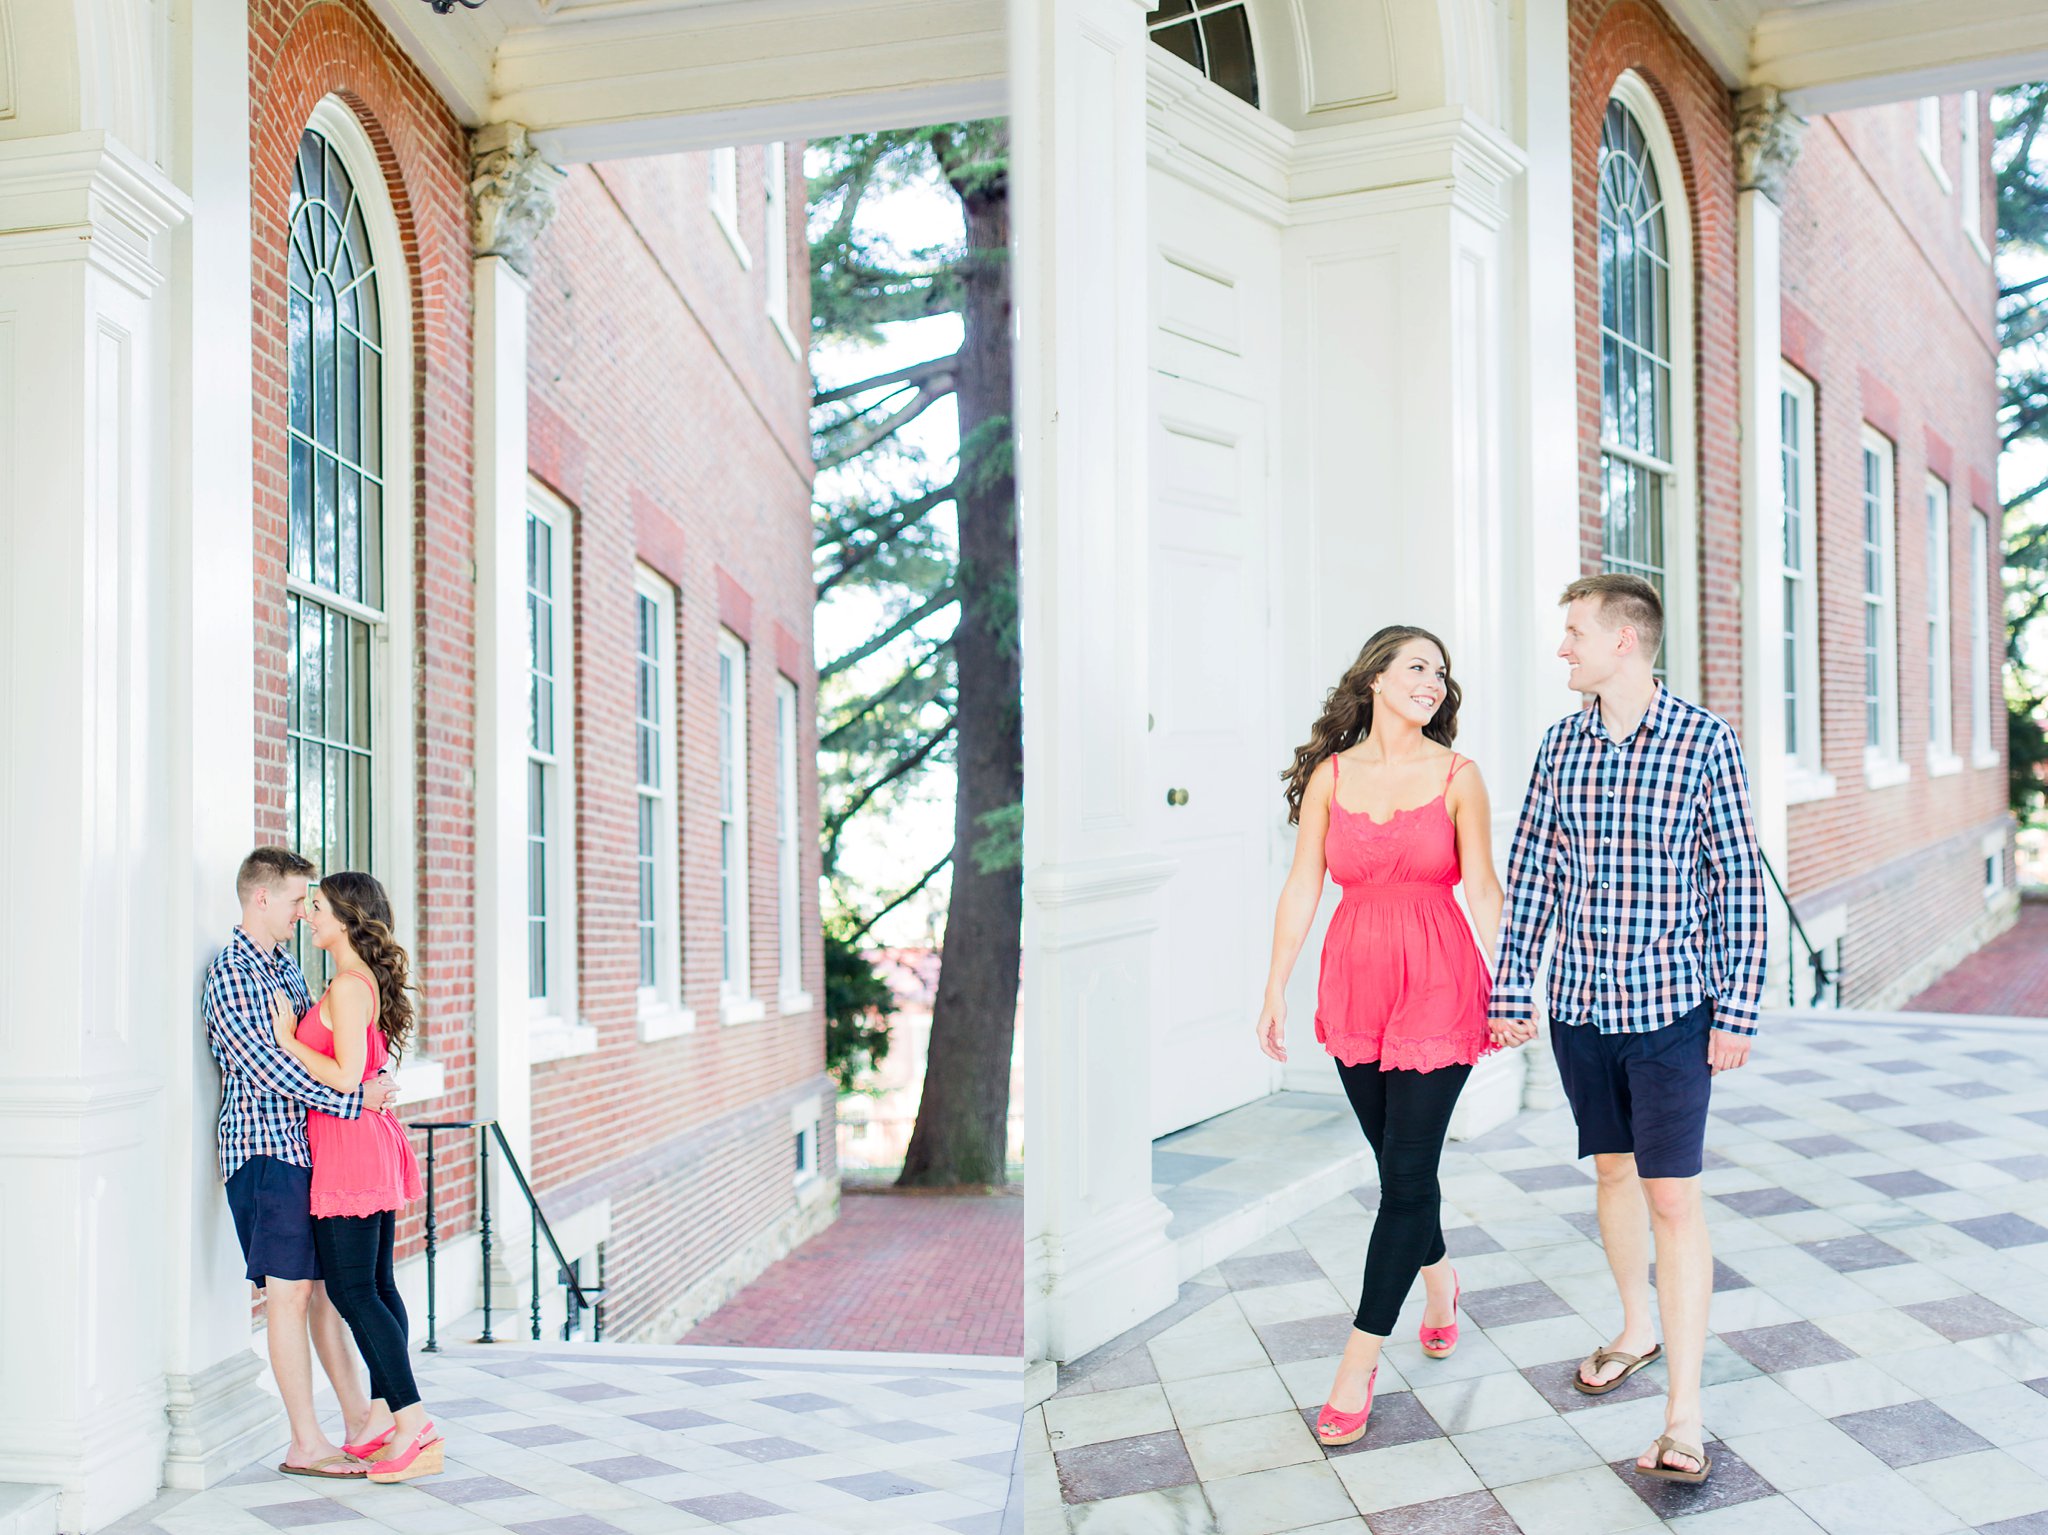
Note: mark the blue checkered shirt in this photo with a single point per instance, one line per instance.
(264, 1093)
(1641, 854)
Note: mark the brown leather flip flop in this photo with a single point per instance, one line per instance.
(1666, 1445)
(319, 1469)
(1606, 1356)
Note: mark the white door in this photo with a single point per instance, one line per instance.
(1211, 788)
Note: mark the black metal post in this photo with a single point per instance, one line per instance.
(483, 1194)
(533, 1232)
(432, 1347)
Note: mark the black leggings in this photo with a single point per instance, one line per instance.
(355, 1257)
(1405, 1115)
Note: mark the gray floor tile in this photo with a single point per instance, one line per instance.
(1118, 1466)
(1788, 1346)
(1909, 1433)
(1472, 1513)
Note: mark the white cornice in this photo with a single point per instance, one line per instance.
(1720, 29)
(1836, 54)
(87, 195)
(1446, 149)
(1211, 140)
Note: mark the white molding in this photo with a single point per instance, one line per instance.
(667, 988)
(661, 1021)
(1927, 136)
(1831, 55)
(1942, 764)
(564, 906)
(1803, 787)
(741, 1009)
(1883, 756)
(88, 196)
(793, 1003)
(556, 1039)
(1882, 771)
(421, 1079)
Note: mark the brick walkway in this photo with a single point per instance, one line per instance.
(909, 1273)
(2008, 976)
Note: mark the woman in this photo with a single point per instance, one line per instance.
(364, 1171)
(1398, 818)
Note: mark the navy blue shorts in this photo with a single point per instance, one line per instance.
(1640, 1093)
(272, 1203)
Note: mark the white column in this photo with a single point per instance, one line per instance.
(1545, 429)
(221, 1415)
(1096, 1257)
(94, 1011)
(1399, 506)
(512, 197)
(1766, 143)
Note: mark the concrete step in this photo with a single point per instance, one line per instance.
(27, 1509)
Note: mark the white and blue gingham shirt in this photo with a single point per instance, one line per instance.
(1640, 852)
(264, 1093)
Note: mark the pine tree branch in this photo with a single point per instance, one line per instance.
(859, 554)
(875, 700)
(928, 395)
(944, 597)
(836, 823)
(922, 880)
(913, 373)
(924, 503)
(2027, 495)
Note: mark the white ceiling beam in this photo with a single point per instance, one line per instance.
(1837, 54)
(1719, 29)
(600, 84)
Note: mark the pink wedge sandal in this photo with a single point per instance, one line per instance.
(1334, 1428)
(370, 1447)
(1439, 1342)
(423, 1457)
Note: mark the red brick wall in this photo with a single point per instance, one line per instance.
(670, 415)
(1889, 309)
(299, 54)
(1609, 37)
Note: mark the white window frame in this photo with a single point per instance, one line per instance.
(1928, 137)
(789, 906)
(555, 1011)
(1971, 169)
(1798, 478)
(804, 1126)
(659, 1009)
(775, 242)
(1941, 727)
(736, 1000)
(393, 770)
(1992, 850)
(1681, 533)
(1883, 765)
(1981, 753)
(724, 189)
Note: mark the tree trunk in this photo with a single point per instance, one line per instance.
(962, 1120)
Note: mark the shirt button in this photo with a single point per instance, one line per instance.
(1603, 884)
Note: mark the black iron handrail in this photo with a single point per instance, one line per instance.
(578, 1298)
(1823, 977)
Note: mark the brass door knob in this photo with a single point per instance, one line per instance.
(1176, 796)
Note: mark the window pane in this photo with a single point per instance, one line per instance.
(1227, 39)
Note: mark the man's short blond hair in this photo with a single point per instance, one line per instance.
(1624, 600)
(266, 869)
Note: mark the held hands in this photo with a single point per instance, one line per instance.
(377, 1092)
(1510, 1032)
(1726, 1051)
(1272, 1029)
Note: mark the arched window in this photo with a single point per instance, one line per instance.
(1644, 385)
(340, 786)
(1213, 35)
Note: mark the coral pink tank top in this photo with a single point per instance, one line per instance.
(361, 1166)
(1402, 980)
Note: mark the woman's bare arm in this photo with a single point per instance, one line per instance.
(1299, 897)
(1472, 812)
(346, 1012)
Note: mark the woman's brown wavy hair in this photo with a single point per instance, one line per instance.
(364, 911)
(1347, 710)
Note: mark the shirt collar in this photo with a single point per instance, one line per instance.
(248, 947)
(1656, 719)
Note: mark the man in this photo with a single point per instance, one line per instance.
(1635, 842)
(264, 1157)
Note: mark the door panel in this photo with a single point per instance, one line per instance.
(1208, 705)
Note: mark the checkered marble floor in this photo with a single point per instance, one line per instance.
(582, 1439)
(1878, 1363)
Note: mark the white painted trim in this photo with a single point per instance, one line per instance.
(421, 1079)
(563, 905)
(792, 1003)
(1805, 763)
(1938, 626)
(555, 1038)
(394, 771)
(1970, 171)
(725, 199)
(789, 894)
(1882, 772)
(664, 997)
(1857, 53)
(657, 1023)
(1927, 136)
(1881, 757)
(1982, 699)
(1802, 787)
(775, 254)
(735, 909)
(1681, 517)
(1992, 845)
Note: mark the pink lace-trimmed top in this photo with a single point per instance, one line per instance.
(360, 1166)
(1402, 981)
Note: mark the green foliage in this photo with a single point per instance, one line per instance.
(1002, 839)
(2021, 160)
(858, 1006)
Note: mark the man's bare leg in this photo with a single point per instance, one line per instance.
(1685, 1288)
(361, 1418)
(285, 1306)
(1625, 1233)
